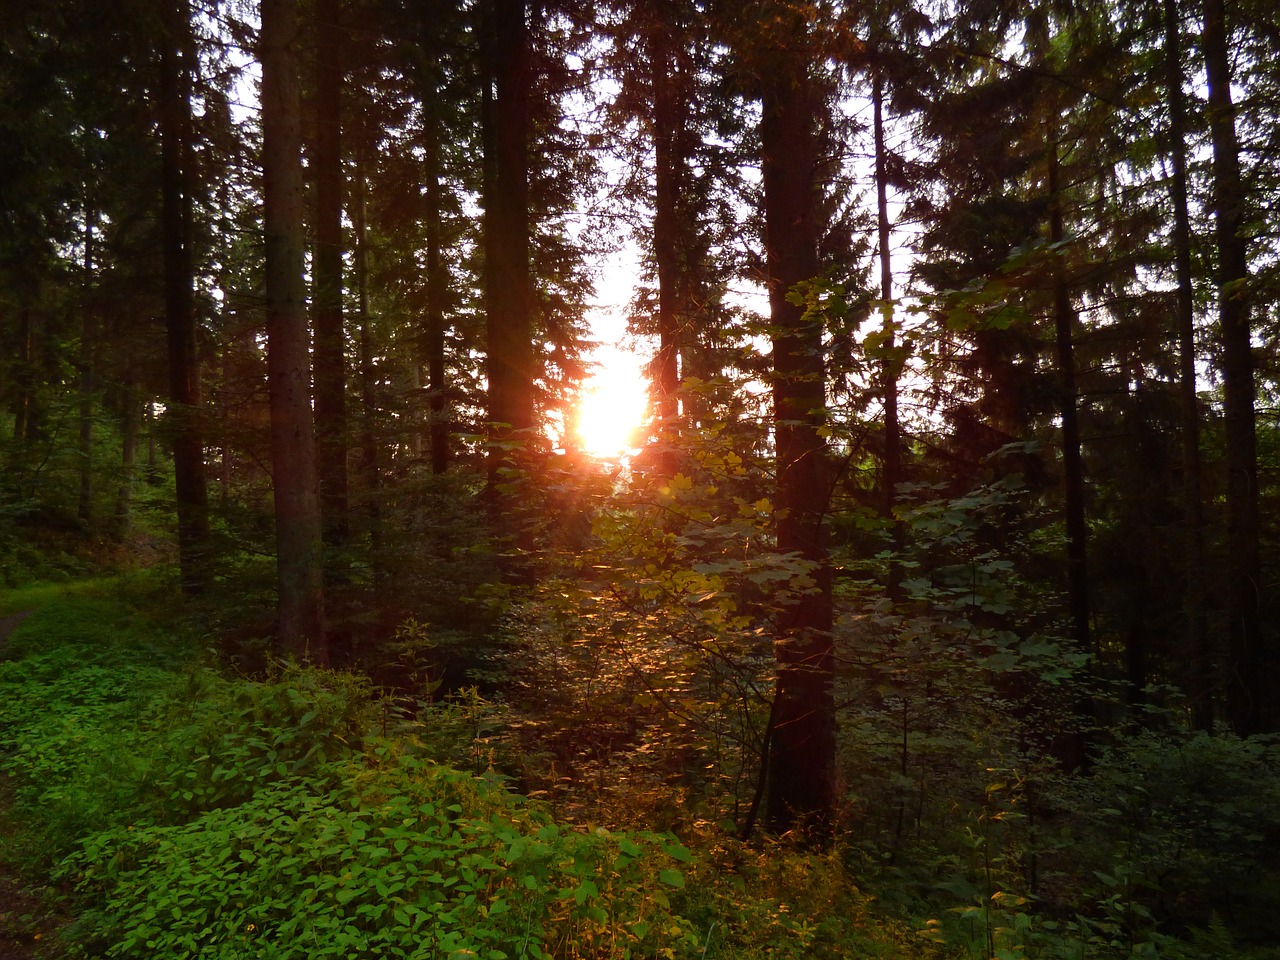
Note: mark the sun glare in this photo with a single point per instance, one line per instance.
(612, 408)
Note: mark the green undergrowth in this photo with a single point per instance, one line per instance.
(196, 814)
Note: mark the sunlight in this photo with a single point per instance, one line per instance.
(613, 405)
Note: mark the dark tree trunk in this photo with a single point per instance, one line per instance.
(670, 159)
(801, 761)
(1198, 678)
(1249, 691)
(1064, 319)
(437, 292)
(890, 366)
(130, 428)
(25, 379)
(184, 411)
(369, 460)
(153, 469)
(507, 130)
(326, 307)
(298, 536)
(1072, 749)
(88, 349)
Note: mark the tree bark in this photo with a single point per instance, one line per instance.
(669, 162)
(298, 536)
(1249, 691)
(184, 410)
(369, 460)
(508, 293)
(24, 407)
(1064, 319)
(88, 349)
(326, 306)
(130, 428)
(890, 365)
(1198, 678)
(437, 292)
(802, 774)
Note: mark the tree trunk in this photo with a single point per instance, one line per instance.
(1064, 319)
(88, 348)
(1073, 747)
(326, 307)
(437, 292)
(24, 416)
(298, 536)
(153, 468)
(802, 776)
(508, 294)
(184, 409)
(1198, 678)
(669, 162)
(368, 383)
(889, 366)
(130, 428)
(1248, 690)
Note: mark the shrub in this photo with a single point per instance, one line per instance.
(412, 860)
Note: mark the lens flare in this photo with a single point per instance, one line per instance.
(612, 407)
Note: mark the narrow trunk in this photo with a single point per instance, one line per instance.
(25, 378)
(153, 468)
(224, 475)
(1198, 678)
(130, 429)
(1249, 689)
(1072, 464)
(184, 409)
(801, 784)
(669, 162)
(506, 236)
(889, 366)
(326, 307)
(298, 536)
(226, 459)
(368, 383)
(437, 291)
(88, 346)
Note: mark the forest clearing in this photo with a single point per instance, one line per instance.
(589, 479)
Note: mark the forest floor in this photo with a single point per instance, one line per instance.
(29, 914)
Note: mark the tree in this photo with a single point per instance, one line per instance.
(1199, 679)
(177, 185)
(802, 741)
(301, 631)
(1248, 692)
(1064, 321)
(659, 64)
(326, 306)
(508, 293)
(682, 136)
(891, 364)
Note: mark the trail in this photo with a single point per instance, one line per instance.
(28, 917)
(9, 624)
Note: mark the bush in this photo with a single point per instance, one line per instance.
(1195, 819)
(411, 860)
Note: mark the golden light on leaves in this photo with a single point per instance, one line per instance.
(613, 406)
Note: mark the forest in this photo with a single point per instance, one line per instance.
(929, 612)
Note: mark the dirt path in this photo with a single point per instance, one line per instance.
(26, 920)
(10, 623)
(28, 917)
